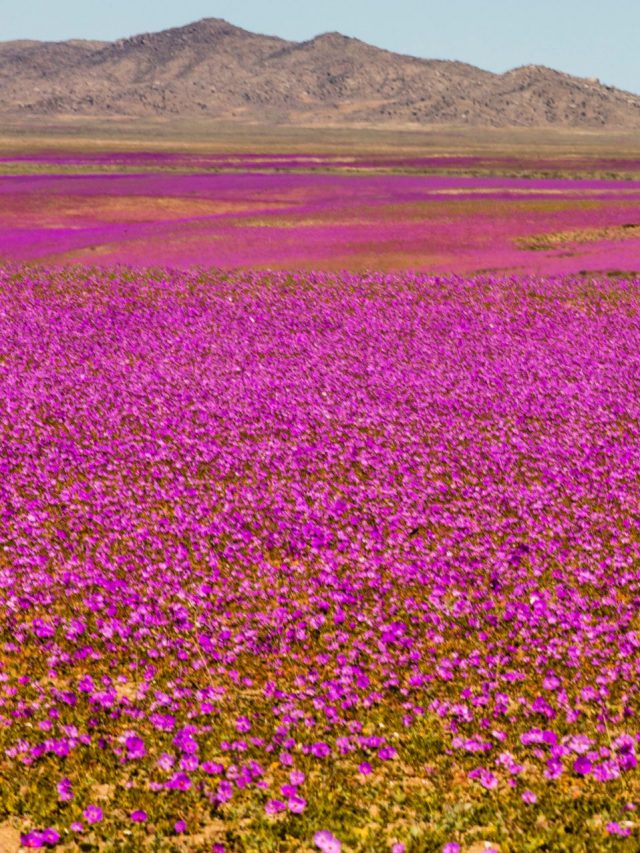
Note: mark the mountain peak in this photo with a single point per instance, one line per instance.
(212, 25)
(206, 29)
(333, 39)
(333, 35)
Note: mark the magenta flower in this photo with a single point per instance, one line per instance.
(273, 807)
(35, 838)
(387, 753)
(326, 841)
(185, 742)
(135, 747)
(485, 777)
(50, 836)
(224, 791)
(554, 769)
(189, 762)
(606, 771)
(93, 814)
(582, 766)
(529, 797)
(178, 782)
(296, 804)
(65, 791)
(165, 761)
(614, 828)
(213, 768)
(243, 725)
(138, 816)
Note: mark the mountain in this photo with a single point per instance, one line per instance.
(212, 69)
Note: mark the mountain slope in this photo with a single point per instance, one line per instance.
(214, 69)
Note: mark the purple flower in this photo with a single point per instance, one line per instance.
(180, 826)
(189, 762)
(554, 769)
(178, 782)
(485, 777)
(135, 747)
(579, 744)
(451, 847)
(138, 816)
(614, 828)
(320, 749)
(224, 791)
(606, 771)
(50, 836)
(274, 807)
(92, 814)
(624, 743)
(488, 780)
(529, 797)
(185, 742)
(326, 841)
(243, 725)
(365, 768)
(65, 791)
(582, 766)
(296, 804)
(213, 768)
(387, 753)
(35, 838)
(165, 761)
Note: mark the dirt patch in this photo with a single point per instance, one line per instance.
(55, 211)
(540, 242)
(9, 838)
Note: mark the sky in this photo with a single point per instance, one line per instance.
(590, 38)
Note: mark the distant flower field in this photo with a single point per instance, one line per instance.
(319, 562)
(309, 213)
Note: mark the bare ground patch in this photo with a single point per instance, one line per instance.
(9, 838)
(553, 239)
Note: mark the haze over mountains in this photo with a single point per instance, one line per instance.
(212, 69)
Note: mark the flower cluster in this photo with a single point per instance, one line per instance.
(302, 559)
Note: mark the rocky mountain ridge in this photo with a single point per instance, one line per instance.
(212, 69)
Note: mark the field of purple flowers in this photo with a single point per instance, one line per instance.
(319, 562)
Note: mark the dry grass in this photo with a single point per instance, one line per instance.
(73, 134)
(579, 236)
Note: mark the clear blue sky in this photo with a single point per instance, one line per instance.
(591, 38)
